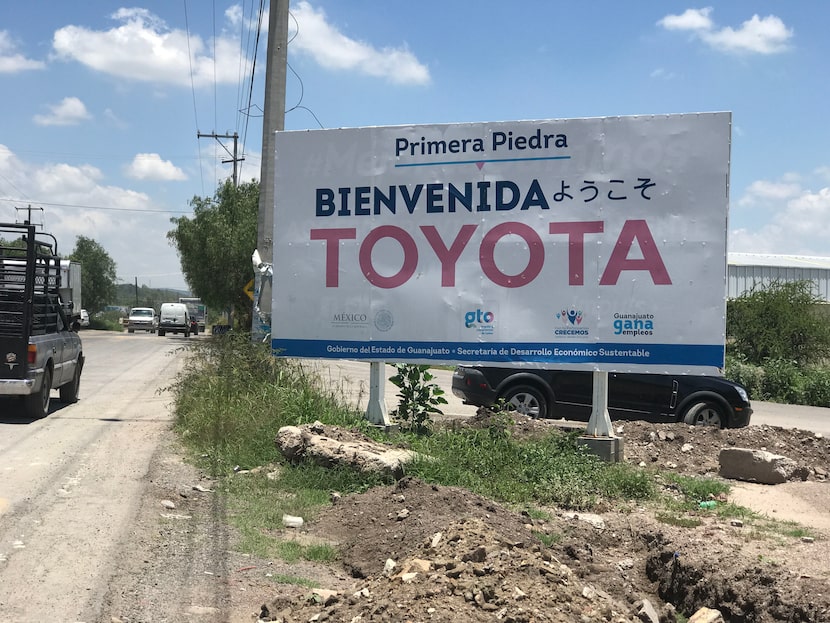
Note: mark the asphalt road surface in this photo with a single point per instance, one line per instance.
(71, 482)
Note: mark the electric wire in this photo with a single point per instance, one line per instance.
(215, 97)
(299, 104)
(253, 73)
(89, 207)
(193, 92)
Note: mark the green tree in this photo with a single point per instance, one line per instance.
(215, 247)
(97, 274)
(784, 320)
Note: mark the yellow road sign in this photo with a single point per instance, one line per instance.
(249, 289)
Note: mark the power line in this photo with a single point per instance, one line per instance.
(87, 207)
(193, 91)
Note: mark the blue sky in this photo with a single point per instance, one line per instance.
(102, 100)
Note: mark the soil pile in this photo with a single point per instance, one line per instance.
(418, 552)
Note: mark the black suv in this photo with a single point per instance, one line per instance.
(567, 394)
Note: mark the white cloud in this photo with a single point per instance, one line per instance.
(152, 167)
(143, 48)
(801, 225)
(763, 190)
(10, 60)
(333, 50)
(70, 111)
(757, 35)
(77, 201)
(690, 19)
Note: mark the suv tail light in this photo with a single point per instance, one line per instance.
(31, 354)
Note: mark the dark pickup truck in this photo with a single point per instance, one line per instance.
(40, 349)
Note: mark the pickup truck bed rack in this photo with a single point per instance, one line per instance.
(39, 346)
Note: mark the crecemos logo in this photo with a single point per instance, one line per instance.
(571, 318)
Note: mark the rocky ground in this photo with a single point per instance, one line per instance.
(417, 552)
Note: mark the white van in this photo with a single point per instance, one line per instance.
(173, 318)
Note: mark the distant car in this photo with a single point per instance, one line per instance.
(84, 318)
(142, 319)
(567, 394)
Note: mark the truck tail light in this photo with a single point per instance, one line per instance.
(31, 354)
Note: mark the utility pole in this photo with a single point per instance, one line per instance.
(233, 156)
(273, 120)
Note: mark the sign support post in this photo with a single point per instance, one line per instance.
(376, 409)
(599, 434)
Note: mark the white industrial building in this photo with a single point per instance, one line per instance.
(745, 270)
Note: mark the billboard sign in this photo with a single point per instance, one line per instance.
(581, 243)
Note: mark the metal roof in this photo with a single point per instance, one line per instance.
(781, 261)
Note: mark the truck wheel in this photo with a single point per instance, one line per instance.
(130, 330)
(187, 332)
(37, 405)
(69, 392)
(161, 332)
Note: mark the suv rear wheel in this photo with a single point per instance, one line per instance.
(705, 413)
(526, 400)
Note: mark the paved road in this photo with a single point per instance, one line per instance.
(71, 482)
(352, 377)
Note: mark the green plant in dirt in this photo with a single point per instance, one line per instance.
(697, 490)
(553, 470)
(295, 581)
(678, 519)
(419, 397)
(547, 539)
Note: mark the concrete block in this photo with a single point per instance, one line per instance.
(609, 449)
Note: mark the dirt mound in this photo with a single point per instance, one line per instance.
(694, 450)
(457, 556)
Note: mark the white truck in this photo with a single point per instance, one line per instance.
(70, 288)
(197, 312)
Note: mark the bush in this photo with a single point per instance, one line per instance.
(233, 396)
(817, 387)
(783, 320)
(747, 374)
(783, 381)
(106, 321)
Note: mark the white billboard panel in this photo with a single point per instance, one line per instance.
(581, 243)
